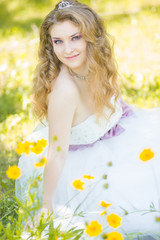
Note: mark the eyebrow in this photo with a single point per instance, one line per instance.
(69, 36)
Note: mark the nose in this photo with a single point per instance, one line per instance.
(68, 48)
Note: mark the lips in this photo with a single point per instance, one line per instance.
(72, 57)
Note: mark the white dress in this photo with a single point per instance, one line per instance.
(108, 151)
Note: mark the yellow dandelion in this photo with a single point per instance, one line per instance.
(78, 184)
(146, 155)
(13, 172)
(114, 236)
(23, 147)
(88, 177)
(42, 143)
(94, 229)
(41, 163)
(104, 204)
(114, 220)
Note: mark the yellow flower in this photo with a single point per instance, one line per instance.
(37, 148)
(114, 236)
(78, 184)
(114, 220)
(42, 143)
(104, 204)
(104, 212)
(88, 177)
(146, 155)
(94, 229)
(23, 147)
(41, 163)
(13, 172)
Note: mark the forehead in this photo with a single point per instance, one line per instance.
(63, 29)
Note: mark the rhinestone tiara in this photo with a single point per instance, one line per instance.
(64, 4)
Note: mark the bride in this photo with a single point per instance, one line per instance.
(102, 156)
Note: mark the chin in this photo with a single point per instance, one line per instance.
(75, 65)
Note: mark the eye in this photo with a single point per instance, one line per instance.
(57, 41)
(77, 37)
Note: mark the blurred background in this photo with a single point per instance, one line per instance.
(135, 27)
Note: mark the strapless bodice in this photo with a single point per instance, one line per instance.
(90, 130)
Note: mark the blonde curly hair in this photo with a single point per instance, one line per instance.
(102, 67)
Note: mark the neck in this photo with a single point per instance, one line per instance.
(76, 74)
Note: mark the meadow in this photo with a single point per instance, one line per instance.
(135, 30)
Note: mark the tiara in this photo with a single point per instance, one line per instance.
(64, 4)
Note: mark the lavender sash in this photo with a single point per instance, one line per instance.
(114, 131)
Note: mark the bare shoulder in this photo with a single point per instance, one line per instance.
(64, 89)
(62, 104)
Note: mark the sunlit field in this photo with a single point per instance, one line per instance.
(135, 30)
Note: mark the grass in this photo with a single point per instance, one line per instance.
(135, 26)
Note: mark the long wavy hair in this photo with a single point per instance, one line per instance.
(102, 66)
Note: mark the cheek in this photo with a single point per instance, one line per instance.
(57, 50)
(80, 46)
(83, 46)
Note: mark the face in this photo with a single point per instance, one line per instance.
(69, 45)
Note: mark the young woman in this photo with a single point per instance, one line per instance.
(92, 135)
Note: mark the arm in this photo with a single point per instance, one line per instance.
(62, 104)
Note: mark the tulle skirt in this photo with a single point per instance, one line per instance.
(111, 170)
